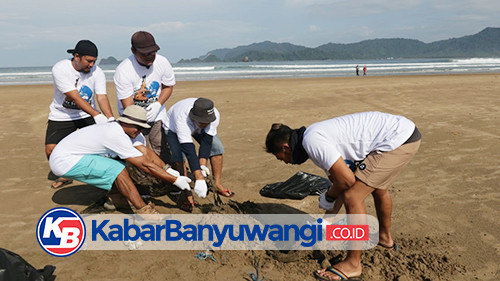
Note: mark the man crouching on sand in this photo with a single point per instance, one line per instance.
(381, 144)
(82, 156)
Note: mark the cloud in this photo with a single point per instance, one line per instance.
(190, 28)
(487, 7)
(168, 27)
(314, 28)
(349, 8)
(214, 29)
(12, 16)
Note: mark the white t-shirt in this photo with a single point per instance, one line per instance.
(178, 121)
(139, 140)
(67, 79)
(106, 139)
(354, 136)
(131, 78)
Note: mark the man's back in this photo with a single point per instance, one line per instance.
(354, 136)
(107, 139)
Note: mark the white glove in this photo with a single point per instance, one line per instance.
(200, 188)
(111, 119)
(205, 171)
(183, 183)
(325, 204)
(100, 118)
(152, 111)
(173, 172)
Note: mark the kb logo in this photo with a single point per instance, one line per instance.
(60, 232)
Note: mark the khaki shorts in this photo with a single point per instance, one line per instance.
(379, 168)
(157, 141)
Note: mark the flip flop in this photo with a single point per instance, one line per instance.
(62, 182)
(225, 193)
(394, 246)
(337, 272)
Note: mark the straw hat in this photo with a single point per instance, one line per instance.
(134, 115)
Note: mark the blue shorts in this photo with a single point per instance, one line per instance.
(96, 170)
(175, 146)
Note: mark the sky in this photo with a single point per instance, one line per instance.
(38, 33)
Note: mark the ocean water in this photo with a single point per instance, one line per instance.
(287, 69)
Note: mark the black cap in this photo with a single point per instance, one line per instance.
(203, 111)
(84, 48)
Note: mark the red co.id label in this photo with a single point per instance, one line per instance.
(347, 232)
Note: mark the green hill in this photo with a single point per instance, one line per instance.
(109, 61)
(483, 44)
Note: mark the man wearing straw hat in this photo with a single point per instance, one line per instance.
(86, 155)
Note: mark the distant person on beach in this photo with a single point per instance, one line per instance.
(196, 118)
(86, 155)
(380, 144)
(364, 70)
(146, 79)
(78, 83)
(357, 70)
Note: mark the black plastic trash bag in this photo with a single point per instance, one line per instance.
(15, 268)
(297, 187)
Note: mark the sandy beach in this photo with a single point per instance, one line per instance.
(446, 202)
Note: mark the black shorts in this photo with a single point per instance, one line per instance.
(57, 130)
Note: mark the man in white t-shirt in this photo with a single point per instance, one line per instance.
(87, 155)
(78, 83)
(196, 118)
(146, 79)
(361, 153)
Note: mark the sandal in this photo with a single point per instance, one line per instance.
(226, 193)
(394, 246)
(187, 206)
(60, 182)
(337, 272)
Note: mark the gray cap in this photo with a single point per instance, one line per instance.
(203, 111)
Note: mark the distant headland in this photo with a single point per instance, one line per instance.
(484, 44)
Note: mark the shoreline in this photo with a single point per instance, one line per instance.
(284, 69)
(292, 78)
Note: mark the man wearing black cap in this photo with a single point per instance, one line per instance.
(196, 118)
(78, 83)
(146, 79)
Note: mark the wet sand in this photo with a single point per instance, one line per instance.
(446, 202)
